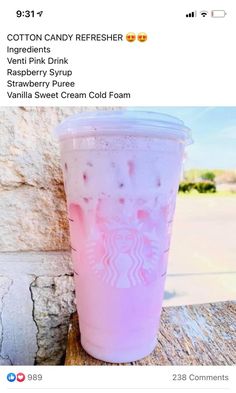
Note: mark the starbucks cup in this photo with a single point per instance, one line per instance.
(121, 174)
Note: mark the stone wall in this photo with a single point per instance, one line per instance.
(36, 278)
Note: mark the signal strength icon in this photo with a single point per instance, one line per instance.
(192, 14)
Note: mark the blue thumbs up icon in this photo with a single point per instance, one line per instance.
(11, 377)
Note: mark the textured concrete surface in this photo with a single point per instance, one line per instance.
(32, 207)
(33, 219)
(53, 299)
(19, 330)
(36, 300)
(5, 284)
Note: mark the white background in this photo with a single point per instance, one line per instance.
(118, 379)
(185, 61)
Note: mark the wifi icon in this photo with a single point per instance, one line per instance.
(203, 13)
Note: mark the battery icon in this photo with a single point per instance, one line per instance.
(218, 13)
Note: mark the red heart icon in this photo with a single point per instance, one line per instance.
(20, 377)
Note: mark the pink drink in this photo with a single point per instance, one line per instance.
(121, 182)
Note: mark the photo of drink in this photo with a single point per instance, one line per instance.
(117, 242)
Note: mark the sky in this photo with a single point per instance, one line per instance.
(214, 134)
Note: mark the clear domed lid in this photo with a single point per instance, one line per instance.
(130, 121)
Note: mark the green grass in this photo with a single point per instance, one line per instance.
(207, 194)
(192, 174)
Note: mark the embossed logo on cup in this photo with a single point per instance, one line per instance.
(122, 252)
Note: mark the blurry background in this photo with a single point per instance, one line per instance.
(202, 262)
(36, 278)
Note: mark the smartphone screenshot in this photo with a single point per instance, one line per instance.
(117, 196)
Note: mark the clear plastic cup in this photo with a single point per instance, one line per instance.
(121, 174)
